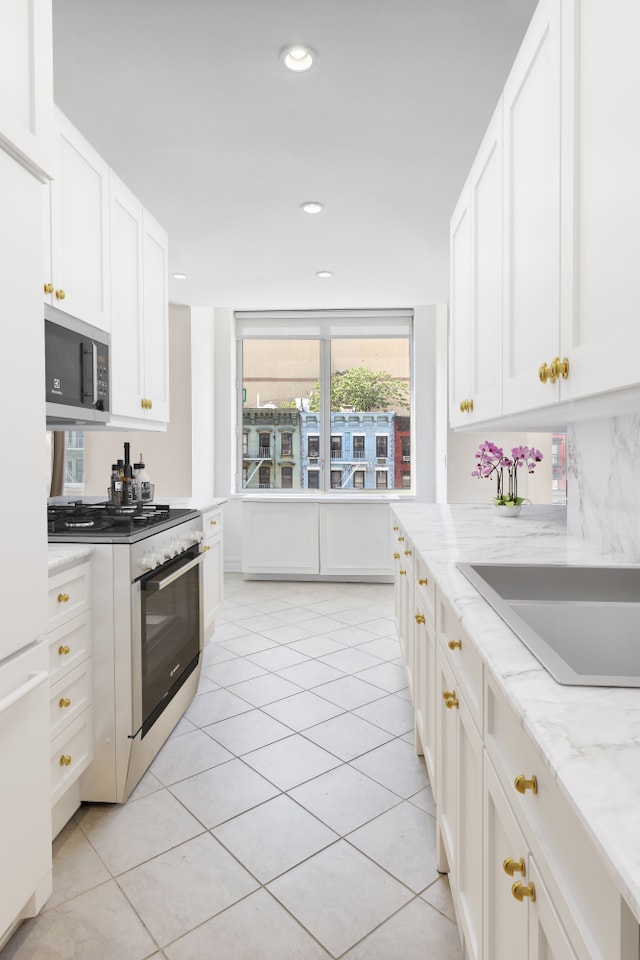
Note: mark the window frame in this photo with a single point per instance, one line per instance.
(326, 327)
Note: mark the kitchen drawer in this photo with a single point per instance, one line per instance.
(69, 594)
(69, 645)
(71, 753)
(425, 589)
(580, 888)
(69, 697)
(463, 657)
(212, 523)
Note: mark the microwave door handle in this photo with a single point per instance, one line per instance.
(89, 373)
(160, 584)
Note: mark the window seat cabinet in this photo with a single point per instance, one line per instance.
(497, 839)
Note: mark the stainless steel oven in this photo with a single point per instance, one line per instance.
(148, 632)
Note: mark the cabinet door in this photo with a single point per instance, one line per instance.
(460, 327)
(156, 319)
(532, 213)
(127, 333)
(280, 538)
(601, 281)
(354, 539)
(424, 689)
(79, 229)
(468, 873)
(212, 582)
(505, 919)
(26, 84)
(547, 938)
(446, 784)
(485, 189)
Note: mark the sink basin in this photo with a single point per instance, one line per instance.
(581, 623)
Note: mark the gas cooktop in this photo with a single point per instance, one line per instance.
(109, 523)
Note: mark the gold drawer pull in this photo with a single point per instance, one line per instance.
(65, 702)
(213, 522)
(400, 539)
(511, 866)
(407, 553)
(63, 598)
(48, 288)
(402, 573)
(520, 891)
(204, 549)
(522, 784)
(455, 644)
(64, 650)
(423, 582)
(60, 294)
(396, 556)
(419, 618)
(65, 760)
(448, 694)
(452, 702)
(396, 528)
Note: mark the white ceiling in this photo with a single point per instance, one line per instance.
(189, 103)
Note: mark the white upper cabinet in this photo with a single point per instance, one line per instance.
(139, 311)
(77, 277)
(601, 189)
(476, 287)
(571, 228)
(26, 84)
(532, 213)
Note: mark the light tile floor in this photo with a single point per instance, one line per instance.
(286, 818)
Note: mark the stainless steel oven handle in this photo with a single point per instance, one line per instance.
(153, 584)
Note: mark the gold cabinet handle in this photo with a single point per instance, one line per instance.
(213, 522)
(522, 784)
(48, 288)
(64, 650)
(455, 644)
(396, 529)
(402, 573)
(423, 582)
(447, 694)
(63, 598)
(407, 553)
(400, 539)
(60, 294)
(419, 618)
(396, 556)
(204, 549)
(559, 368)
(511, 867)
(150, 404)
(520, 891)
(64, 702)
(466, 406)
(452, 702)
(544, 373)
(65, 761)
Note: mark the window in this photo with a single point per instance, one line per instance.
(286, 444)
(382, 446)
(264, 478)
(319, 389)
(382, 479)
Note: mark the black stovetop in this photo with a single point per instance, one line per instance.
(78, 520)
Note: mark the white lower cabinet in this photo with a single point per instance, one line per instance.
(299, 538)
(70, 688)
(213, 568)
(423, 684)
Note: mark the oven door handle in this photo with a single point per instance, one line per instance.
(160, 584)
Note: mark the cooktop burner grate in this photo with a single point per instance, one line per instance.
(81, 519)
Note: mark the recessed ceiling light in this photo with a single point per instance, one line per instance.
(312, 206)
(323, 274)
(179, 276)
(298, 58)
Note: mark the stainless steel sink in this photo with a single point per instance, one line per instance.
(581, 623)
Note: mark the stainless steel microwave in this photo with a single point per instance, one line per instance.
(76, 373)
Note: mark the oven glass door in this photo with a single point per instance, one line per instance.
(170, 632)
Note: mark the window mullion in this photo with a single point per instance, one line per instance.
(325, 414)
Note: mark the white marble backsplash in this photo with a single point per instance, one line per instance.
(603, 468)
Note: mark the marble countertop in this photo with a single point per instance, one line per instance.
(588, 737)
(66, 554)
